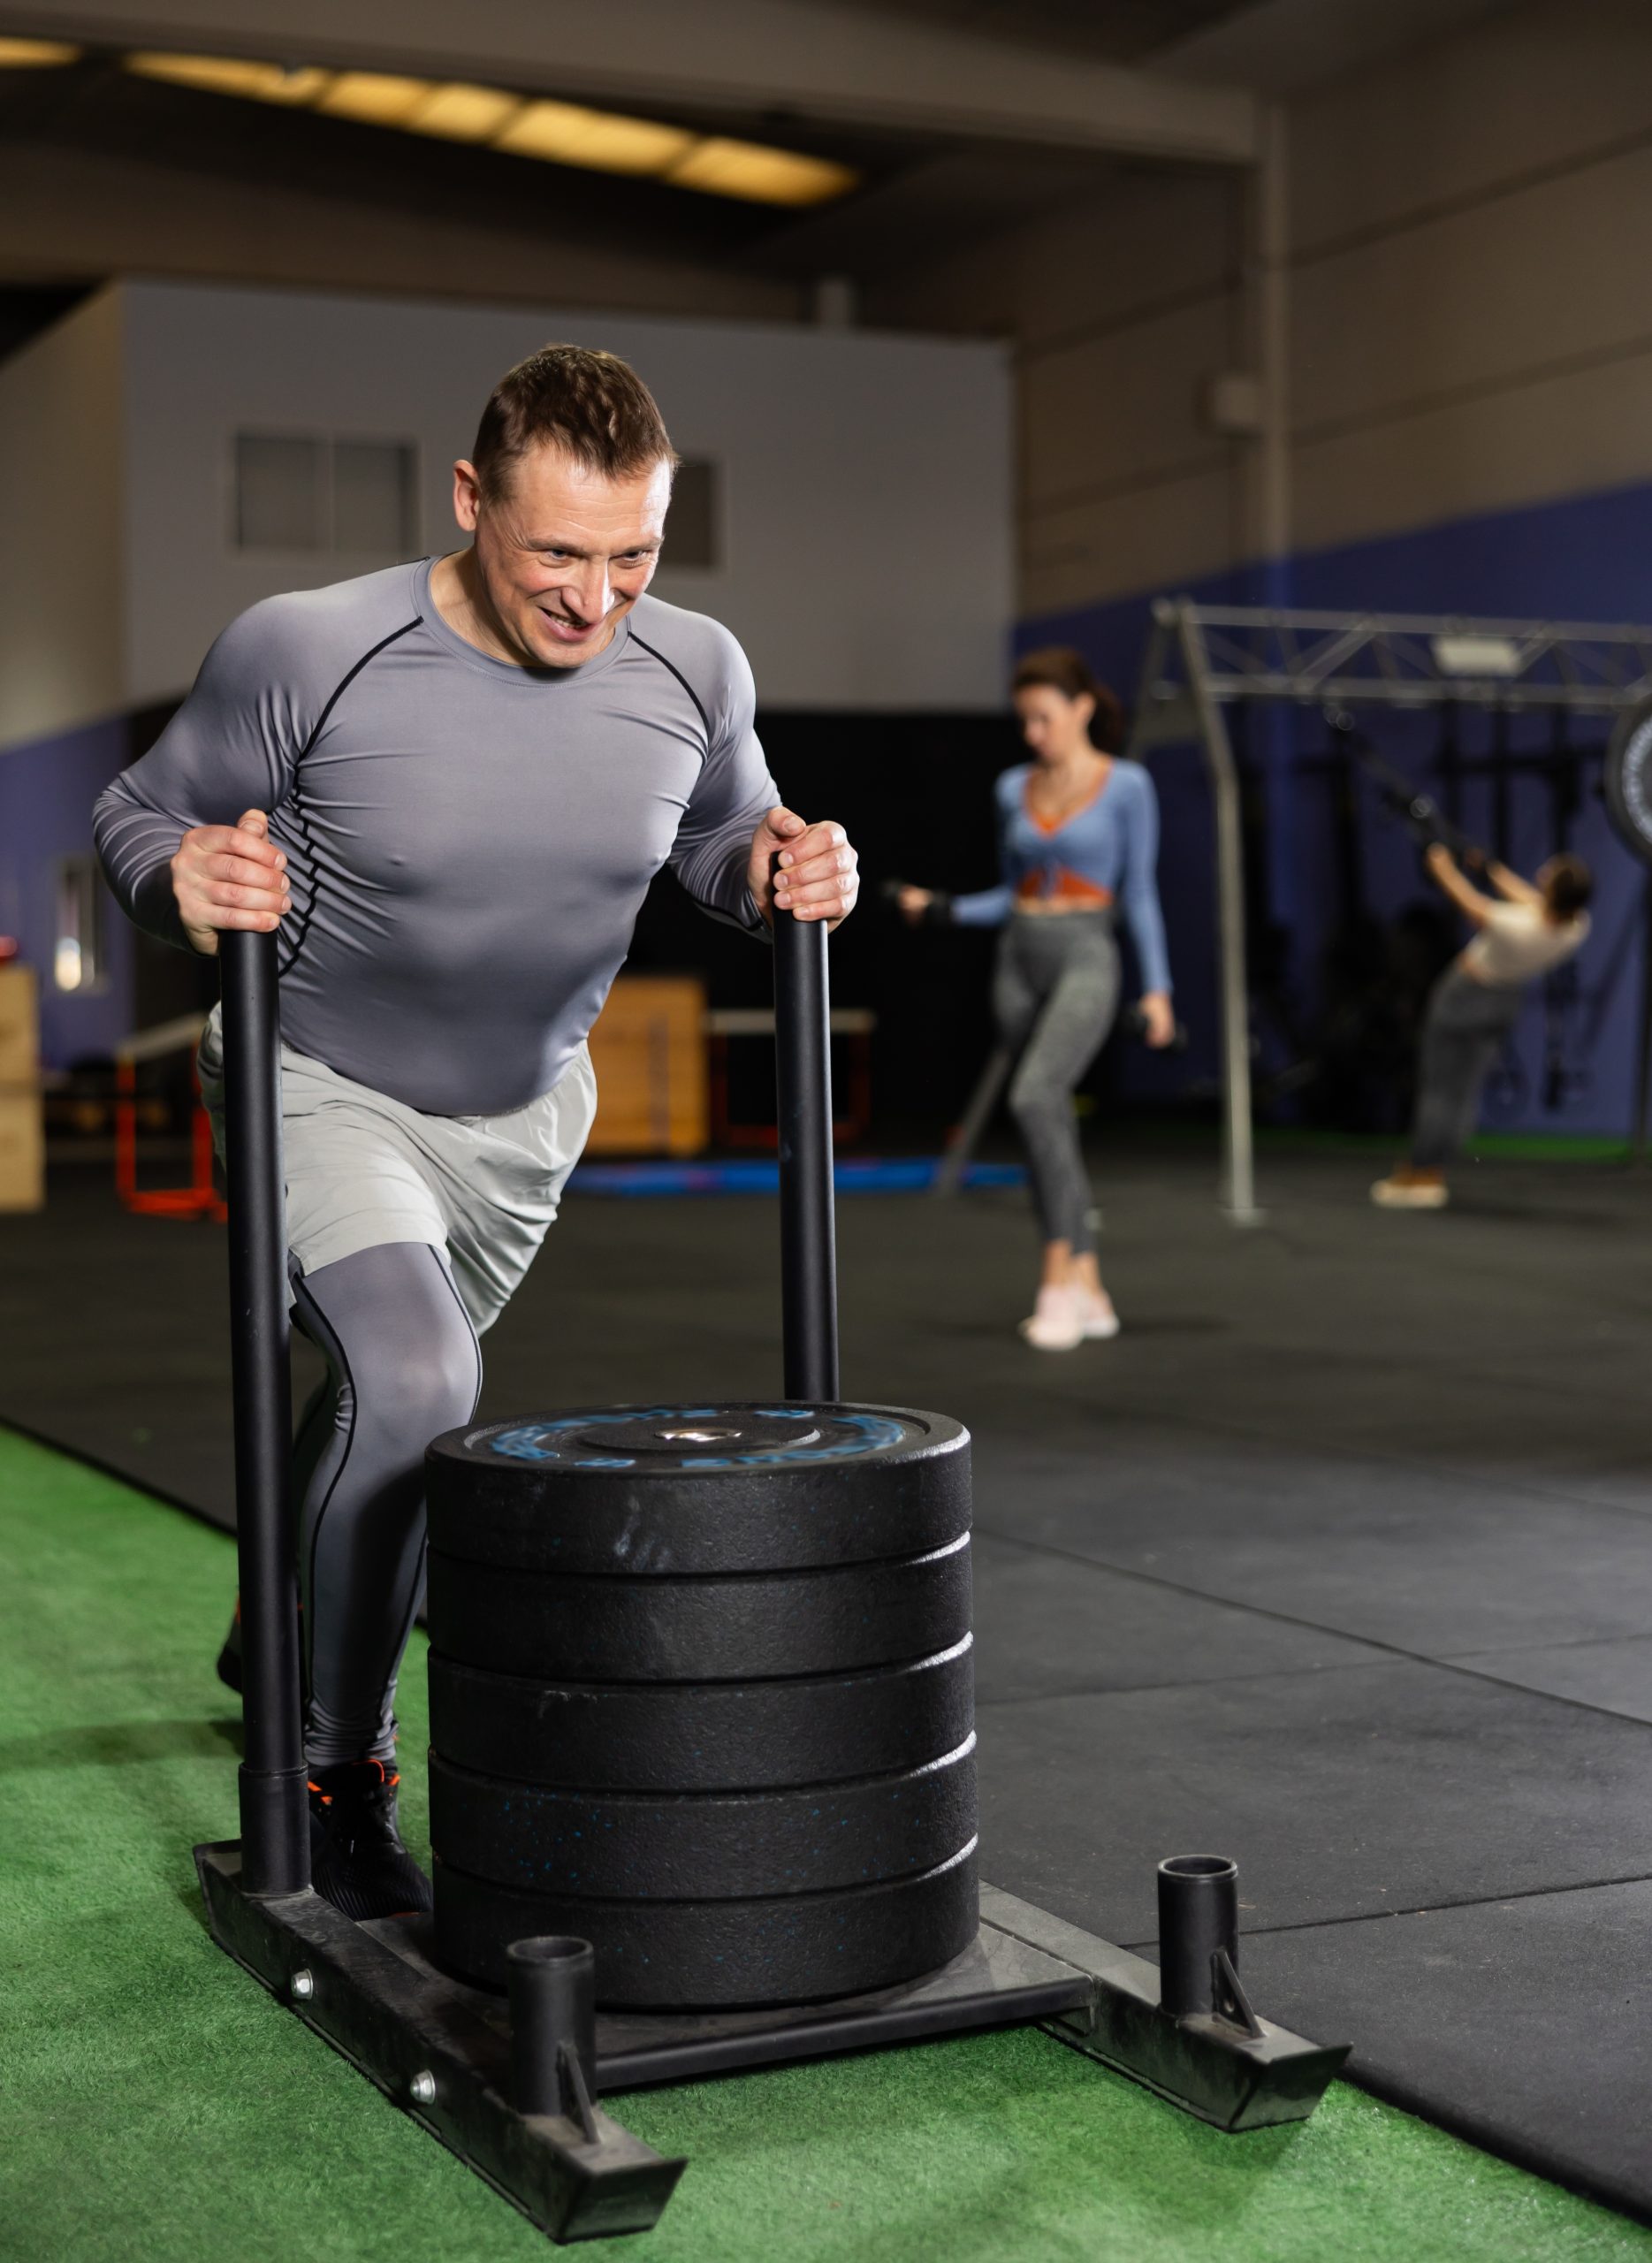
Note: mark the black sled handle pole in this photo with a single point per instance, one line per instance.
(275, 1811)
(802, 1070)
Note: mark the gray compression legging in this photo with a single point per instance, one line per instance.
(1054, 994)
(1467, 1027)
(403, 1364)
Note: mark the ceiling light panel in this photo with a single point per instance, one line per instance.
(373, 98)
(461, 113)
(563, 133)
(35, 54)
(224, 74)
(745, 168)
(568, 135)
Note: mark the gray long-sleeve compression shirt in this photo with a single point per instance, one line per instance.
(468, 841)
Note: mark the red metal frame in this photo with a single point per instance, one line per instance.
(200, 1198)
(845, 1130)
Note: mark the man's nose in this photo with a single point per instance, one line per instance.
(590, 596)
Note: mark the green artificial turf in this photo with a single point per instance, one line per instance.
(156, 2104)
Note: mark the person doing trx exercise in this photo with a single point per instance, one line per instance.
(1535, 927)
(448, 787)
(1078, 831)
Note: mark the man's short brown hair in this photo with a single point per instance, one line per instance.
(593, 405)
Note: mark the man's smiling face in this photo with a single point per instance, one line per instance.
(563, 553)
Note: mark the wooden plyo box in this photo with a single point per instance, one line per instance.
(22, 1128)
(19, 1027)
(649, 1051)
(22, 1149)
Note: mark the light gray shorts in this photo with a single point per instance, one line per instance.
(364, 1170)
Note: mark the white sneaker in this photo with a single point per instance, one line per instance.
(1100, 1319)
(1056, 1323)
(1397, 1194)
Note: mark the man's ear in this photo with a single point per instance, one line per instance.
(466, 495)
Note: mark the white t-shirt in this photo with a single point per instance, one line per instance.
(1518, 942)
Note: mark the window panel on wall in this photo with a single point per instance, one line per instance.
(373, 496)
(307, 492)
(280, 492)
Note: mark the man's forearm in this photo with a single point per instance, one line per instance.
(723, 892)
(135, 846)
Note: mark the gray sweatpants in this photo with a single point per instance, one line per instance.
(1054, 994)
(1467, 1027)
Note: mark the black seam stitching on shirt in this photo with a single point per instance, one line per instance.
(705, 719)
(301, 933)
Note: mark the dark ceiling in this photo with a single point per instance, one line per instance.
(1107, 31)
(915, 188)
(919, 195)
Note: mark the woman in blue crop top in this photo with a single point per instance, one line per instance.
(1078, 836)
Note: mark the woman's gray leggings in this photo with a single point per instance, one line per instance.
(1054, 994)
(1467, 1027)
(403, 1365)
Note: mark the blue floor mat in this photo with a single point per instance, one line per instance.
(858, 1175)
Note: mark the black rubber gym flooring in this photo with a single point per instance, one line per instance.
(1339, 1560)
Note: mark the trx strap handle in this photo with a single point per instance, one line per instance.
(1420, 812)
(274, 1808)
(802, 1071)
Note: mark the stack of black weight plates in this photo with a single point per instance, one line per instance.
(700, 1692)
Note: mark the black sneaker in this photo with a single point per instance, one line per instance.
(357, 1859)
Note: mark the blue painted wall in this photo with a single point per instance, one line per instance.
(45, 795)
(1587, 558)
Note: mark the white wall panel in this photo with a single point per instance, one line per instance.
(60, 566)
(867, 478)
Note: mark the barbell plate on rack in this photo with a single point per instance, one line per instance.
(1627, 778)
(701, 1737)
(711, 1956)
(700, 1489)
(743, 1628)
(709, 1846)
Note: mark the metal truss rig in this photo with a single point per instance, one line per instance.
(1202, 659)
(1397, 660)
